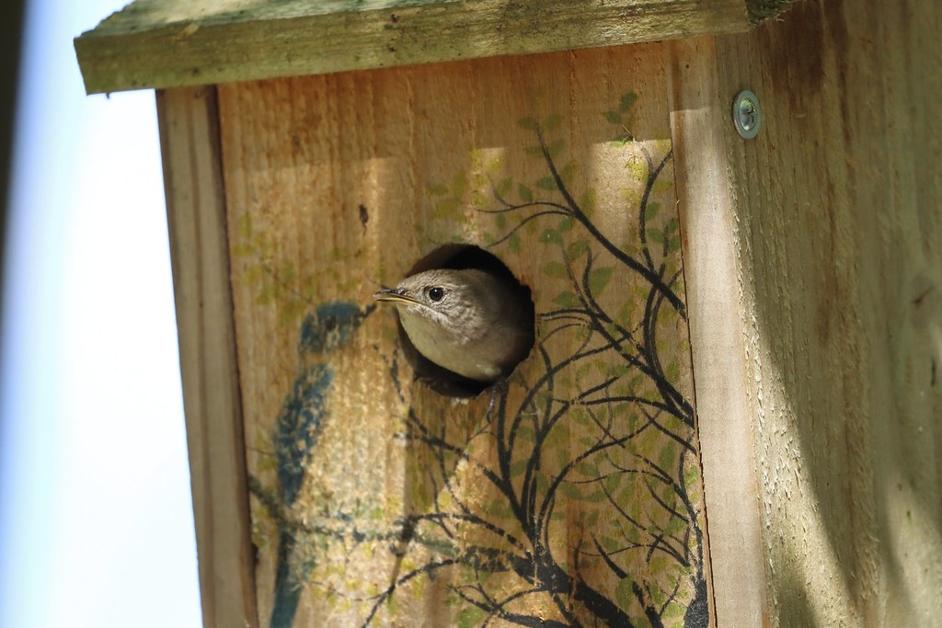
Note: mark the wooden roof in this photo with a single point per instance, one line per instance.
(169, 43)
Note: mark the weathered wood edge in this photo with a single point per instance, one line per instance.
(211, 51)
(189, 132)
(724, 409)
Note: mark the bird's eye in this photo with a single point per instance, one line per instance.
(436, 293)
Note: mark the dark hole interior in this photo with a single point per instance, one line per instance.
(456, 256)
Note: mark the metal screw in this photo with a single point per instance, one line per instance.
(747, 114)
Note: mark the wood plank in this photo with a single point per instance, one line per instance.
(161, 43)
(834, 218)
(189, 132)
(377, 500)
(725, 410)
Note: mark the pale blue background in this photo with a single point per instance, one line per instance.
(96, 524)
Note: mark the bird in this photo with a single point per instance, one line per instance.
(469, 321)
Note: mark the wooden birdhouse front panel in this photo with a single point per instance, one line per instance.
(570, 494)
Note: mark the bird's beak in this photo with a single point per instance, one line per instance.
(392, 295)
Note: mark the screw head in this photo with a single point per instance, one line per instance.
(747, 114)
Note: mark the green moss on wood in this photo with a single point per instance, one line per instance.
(760, 10)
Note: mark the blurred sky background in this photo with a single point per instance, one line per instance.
(96, 525)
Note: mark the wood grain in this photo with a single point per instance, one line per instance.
(726, 414)
(156, 43)
(829, 224)
(377, 499)
(189, 132)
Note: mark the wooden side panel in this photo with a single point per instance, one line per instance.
(833, 215)
(570, 495)
(722, 375)
(197, 217)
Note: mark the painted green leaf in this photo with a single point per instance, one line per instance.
(543, 397)
(612, 481)
(460, 184)
(568, 171)
(555, 147)
(637, 168)
(624, 312)
(655, 235)
(623, 593)
(525, 433)
(627, 101)
(266, 295)
(517, 467)
(498, 508)
(617, 370)
(571, 491)
(576, 249)
(691, 476)
(514, 243)
(501, 221)
(612, 329)
(446, 207)
(437, 189)
(552, 122)
(566, 299)
(599, 278)
(504, 186)
(245, 224)
(554, 269)
(241, 250)
(651, 210)
(613, 116)
(658, 564)
(558, 436)
(666, 457)
(551, 235)
(673, 611)
(675, 525)
(546, 183)
(673, 371)
(587, 202)
(528, 123)
(582, 333)
(565, 224)
(525, 193)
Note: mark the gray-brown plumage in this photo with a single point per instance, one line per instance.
(471, 322)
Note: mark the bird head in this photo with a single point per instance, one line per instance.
(457, 301)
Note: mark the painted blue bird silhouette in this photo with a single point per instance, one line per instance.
(297, 429)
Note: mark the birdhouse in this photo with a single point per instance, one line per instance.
(729, 237)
